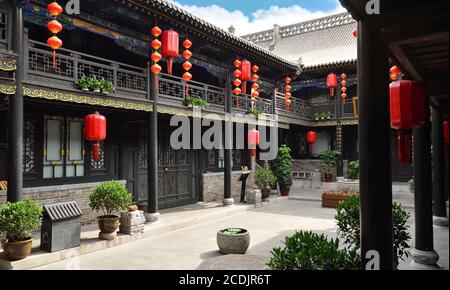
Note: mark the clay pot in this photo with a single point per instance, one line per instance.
(285, 191)
(15, 251)
(266, 192)
(108, 224)
(233, 244)
(328, 177)
(332, 198)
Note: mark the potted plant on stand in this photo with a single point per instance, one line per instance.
(107, 87)
(18, 221)
(329, 160)
(265, 179)
(284, 170)
(111, 198)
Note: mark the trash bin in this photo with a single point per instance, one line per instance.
(61, 227)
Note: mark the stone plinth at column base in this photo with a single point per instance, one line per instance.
(254, 196)
(132, 223)
(152, 217)
(440, 221)
(429, 258)
(228, 201)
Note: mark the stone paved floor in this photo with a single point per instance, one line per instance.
(187, 248)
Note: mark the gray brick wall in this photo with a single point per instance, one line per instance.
(213, 186)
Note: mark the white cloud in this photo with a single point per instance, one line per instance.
(263, 19)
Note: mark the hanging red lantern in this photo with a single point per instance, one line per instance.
(55, 43)
(395, 70)
(237, 82)
(246, 70)
(407, 102)
(311, 138)
(237, 91)
(288, 102)
(288, 95)
(170, 47)
(344, 83)
(156, 69)
(187, 76)
(156, 31)
(355, 33)
(344, 88)
(187, 54)
(237, 63)
(287, 80)
(255, 86)
(344, 96)
(187, 66)
(156, 44)
(95, 131)
(255, 78)
(54, 9)
(255, 94)
(253, 141)
(54, 26)
(237, 73)
(156, 56)
(187, 44)
(255, 68)
(332, 83)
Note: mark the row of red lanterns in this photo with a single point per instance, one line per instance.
(332, 83)
(54, 10)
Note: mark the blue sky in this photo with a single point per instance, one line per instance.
(249, 16)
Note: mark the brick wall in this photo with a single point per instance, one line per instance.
(55, 194)
(213, 186)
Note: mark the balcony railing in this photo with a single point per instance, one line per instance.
(348, 109)
(3, 29)
(244, 103)
(174, 88)
(129, 81)
(299, 108)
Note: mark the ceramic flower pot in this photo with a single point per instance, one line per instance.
(15, 251)
(233, 243)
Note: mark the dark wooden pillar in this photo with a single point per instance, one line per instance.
(227, 199)
(423, 198)
(440, 208)
(375, 149)
(152, 209)
(123, 151)
(15, 139)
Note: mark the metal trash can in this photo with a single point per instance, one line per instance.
(61, 227)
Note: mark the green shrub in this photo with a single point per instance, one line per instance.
(283, 170)
(106, 86)
(265, 178)
(110, 197)
(84, 83)
(196, 102)
(348, 222)
(254, 112)
(233, 231)
(19, 220)
(94, 84)
(310, 251)
(329, 160)
(353, 170)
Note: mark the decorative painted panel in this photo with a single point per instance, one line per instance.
(29, 146)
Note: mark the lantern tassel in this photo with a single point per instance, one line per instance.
(311, 148)
(187, 89)
(252, 152)
(96, 151)
(332, 92)
(54, 59)
(244, 88)
(170, 66)
(404, 147)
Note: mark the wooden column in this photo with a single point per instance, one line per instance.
(15, 139)
(423, 198)
(152, 210)
(375, 149)
(440, 207)
(227, 199)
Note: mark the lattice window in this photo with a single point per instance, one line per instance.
(172, 89)
(100, 164)
(131, 81)
(43, 62)
(213, 159)
(182, 157)
(143, 149)
(29, 146)
(100, 72)
(3, 25)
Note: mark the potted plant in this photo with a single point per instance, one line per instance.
(332, 198)
(95, 85)
(284, 170)
(255, 112)
(233, 241)
(196, 102)
(348, 222)
(329, 160)
(111, 198)
(84, 83)
(328, 115)
(265, 179)
(18, 221)
(107, 87)
(353, 170)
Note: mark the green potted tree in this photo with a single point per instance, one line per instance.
(265, 180)
(18, 221)
(111, 198)
(84, 83)
(107, 87)
(192, 102)
(329, 160)
(284, 169)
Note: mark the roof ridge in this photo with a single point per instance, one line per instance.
(325, 22)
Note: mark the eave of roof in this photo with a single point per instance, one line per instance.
(191, 22)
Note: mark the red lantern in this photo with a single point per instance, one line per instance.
(395, 70)
(288, 102)
(255, 86)
(187, 76)
(246, 70)
(237, 91)
(187, 65)
(55, 43)
(288, 80)
(255, 78)
(156, 68)
(253, 141)
(237, 82)
(95, 131)
(332, 83)
(187, 54)
(255, 68)
(255, 94)
(170, 47)
(156, 56)
(54, 9)
(288, 95)
(407, 100)
(237, 63)
(355, 33)
(54, 26)
(237, 73)
(344, 89)
(187, 44)
(156, 31)
(344, 83)
(311, 138)
(156, 44)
